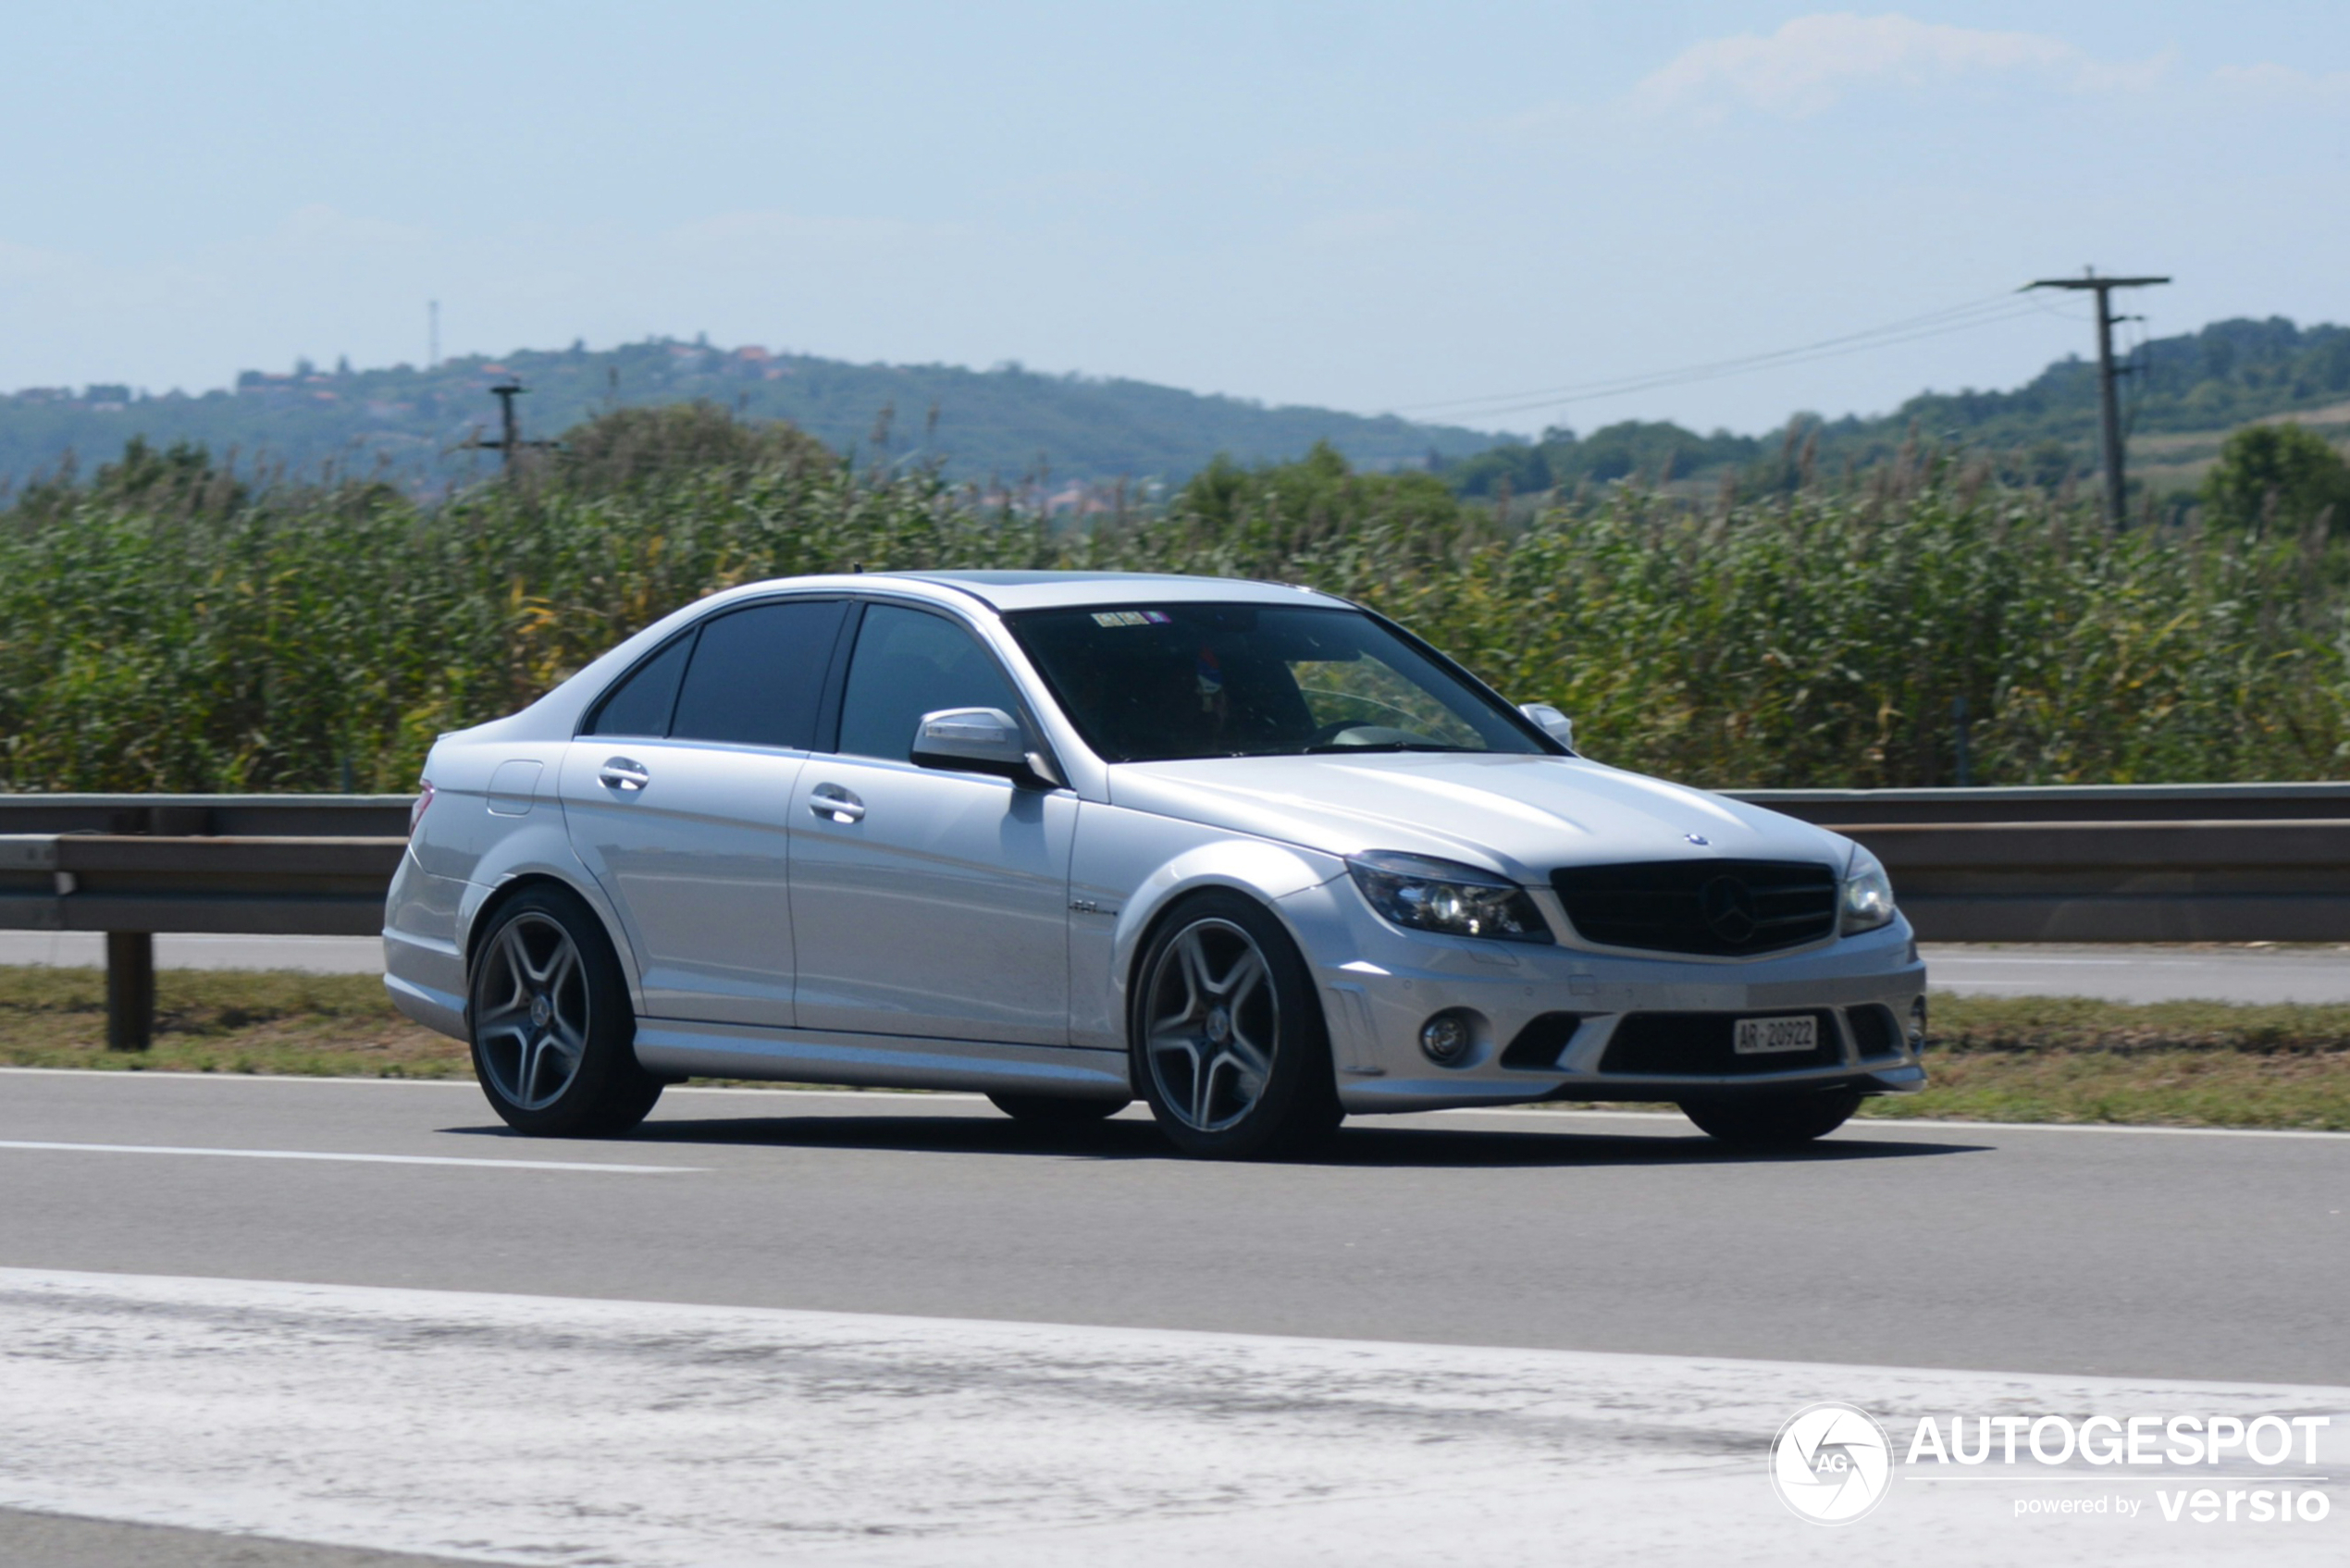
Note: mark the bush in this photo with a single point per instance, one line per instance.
(167, 629)
(2281, 477)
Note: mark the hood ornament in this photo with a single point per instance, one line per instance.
(1697, 838)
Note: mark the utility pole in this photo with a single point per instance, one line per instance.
(2109, 405)
(510, 445)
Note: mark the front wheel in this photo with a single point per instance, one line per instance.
(554, 1036)
(1228, 1040)
(1773, 1121)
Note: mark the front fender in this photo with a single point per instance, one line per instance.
(1127, 868)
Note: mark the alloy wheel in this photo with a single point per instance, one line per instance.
(534, 1036)
(1212, 1023)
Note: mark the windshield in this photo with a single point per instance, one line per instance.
(1153, 683)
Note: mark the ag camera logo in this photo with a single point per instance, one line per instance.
(1831, 1463)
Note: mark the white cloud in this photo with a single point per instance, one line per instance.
(1811, 62)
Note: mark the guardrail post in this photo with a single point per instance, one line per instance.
(130, 990)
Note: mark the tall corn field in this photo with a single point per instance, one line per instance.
(189, 634)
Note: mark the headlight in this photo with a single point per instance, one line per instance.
(1445, 895)
(1868, 894)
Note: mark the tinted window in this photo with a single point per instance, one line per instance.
(640, 705)
(907, 664)
(758, 674)
(1154, 682)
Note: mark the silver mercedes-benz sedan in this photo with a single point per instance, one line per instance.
(1253, 853)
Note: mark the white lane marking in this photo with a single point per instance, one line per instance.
(158, 1075)
(344, 1158)
(538, 1430)
(467, 1083)
(1875, 1124)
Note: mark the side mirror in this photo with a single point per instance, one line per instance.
(1551, 723)
(979, 740)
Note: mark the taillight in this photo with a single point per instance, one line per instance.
(417, 812)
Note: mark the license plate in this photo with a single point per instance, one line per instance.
(1763, 1037)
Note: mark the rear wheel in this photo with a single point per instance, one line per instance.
(1228, 1040)
(553, 1032)
(1053, 1110)
(1773, 1121)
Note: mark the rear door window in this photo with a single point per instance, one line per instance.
(640, 704)
(758, 674)
(909, 663)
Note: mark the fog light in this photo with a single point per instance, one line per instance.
(1917, 1026)
(1447, 1038)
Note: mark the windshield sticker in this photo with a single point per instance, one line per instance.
(1132, 618)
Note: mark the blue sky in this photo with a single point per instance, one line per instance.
(1372, 206)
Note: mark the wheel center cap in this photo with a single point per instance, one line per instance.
(1220, 1026)
(541, 1009)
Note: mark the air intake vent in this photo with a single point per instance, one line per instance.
(1542, 1042)
(1874, 1032)
(1715, 908)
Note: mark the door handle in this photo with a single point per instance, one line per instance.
(836, 804)
(619, 774)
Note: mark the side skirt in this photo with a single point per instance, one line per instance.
(675, 1048)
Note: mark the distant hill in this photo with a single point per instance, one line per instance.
(1008, 423)
(2183, 395)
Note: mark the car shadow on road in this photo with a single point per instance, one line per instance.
(1361, 1145)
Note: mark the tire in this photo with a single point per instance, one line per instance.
(552, 1028)
(1226, 1035)
(1056, 1110)
(1773, 1121)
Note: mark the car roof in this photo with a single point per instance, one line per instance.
(1053, 591)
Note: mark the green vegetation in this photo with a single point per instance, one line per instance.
(2184, 1064)
(2186, 392)
(224, 1021)
(165, 628)
(2200, 1064)
(2278, 477)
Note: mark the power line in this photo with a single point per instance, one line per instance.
(1974, 312)
(1779, 359)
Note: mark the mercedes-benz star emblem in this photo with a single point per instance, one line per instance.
(1728, 908)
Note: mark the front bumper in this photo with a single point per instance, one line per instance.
(1544, 1018)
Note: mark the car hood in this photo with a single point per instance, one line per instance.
(1523, 816)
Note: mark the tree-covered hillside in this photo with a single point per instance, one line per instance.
(2196, 385)
(1008, 424)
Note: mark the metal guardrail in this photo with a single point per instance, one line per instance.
(133, 865)
(210, 816)
(2058, 803)
(2134, 864)
(2276, 880)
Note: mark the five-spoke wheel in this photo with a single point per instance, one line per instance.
(1228, 1042)
(554, 1034)
(533, 1030)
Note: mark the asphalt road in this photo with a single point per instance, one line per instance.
(902, 1329)
(2119, 974)
(2079, 1252)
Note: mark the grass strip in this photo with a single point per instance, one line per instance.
(2005, 1058)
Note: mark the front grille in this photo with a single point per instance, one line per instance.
(1542, 1041)
(1874, 1030)
(1717, 908)
(1703, 1045)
